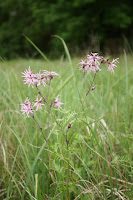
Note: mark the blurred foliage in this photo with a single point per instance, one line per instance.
(75, 21)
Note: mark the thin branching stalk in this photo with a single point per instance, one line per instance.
(39, 92)
(68, 171)
(50, 107)
(90, 88)
(49, 157)
(40, 127)
(67, 143)
(85, 81)
(48, 89)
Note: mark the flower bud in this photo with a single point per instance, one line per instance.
(93, 88)
(69, 126)
(51, 104)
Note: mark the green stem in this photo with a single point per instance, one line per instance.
(67, 192)
(67, 172)
(48, 89)
(85, 82)
(40, 127)
(90, 88)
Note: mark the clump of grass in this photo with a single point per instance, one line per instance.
(89, 159)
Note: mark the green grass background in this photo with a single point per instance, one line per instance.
(100, 151)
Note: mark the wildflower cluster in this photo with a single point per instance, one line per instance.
(40, 78)
(36, 80)
(27, 107)
(94, 62)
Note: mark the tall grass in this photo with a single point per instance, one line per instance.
(98, 163)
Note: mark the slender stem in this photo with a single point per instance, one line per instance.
(48, 89)
(67, 171)
(67, 142)
(90, 88)
(91, 85)
(40, 127)
(85, 81)
(46, 152)
(50, 107)
(48, 175)
(39, 92)
(45, 102)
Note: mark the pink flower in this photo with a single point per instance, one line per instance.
(93, 61)
(38, 103)
(94, 57)
(27, 107)
(41, 79)
(30, 78)
(57, 103)
(84, 66)
(50, 74)
(112, 65)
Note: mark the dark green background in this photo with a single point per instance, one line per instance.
(83, 24)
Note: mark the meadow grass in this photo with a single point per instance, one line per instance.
(98, 162)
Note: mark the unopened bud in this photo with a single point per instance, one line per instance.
(38, 91)
(51, 76)
(84, 65)
(67, 142)
(102, 61)
(51, 104)
(93, 88)
(69, 126)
